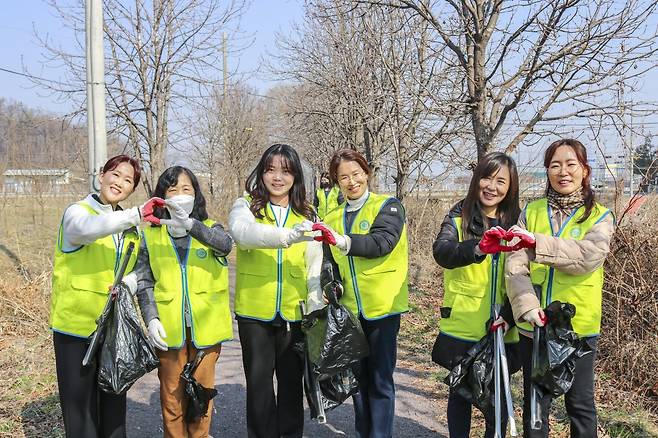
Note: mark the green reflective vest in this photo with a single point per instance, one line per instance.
(201, 278)
(271, 281)
(583, 291)
(327, 202)
(374, 287)
(82, 277)
(470, 292)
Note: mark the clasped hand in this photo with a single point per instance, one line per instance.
(516, 236)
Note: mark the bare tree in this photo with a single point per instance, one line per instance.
(530, 61)
(365, 80)
(228, 134)
(160, 56)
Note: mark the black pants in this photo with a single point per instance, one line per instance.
(268, 349)
(88, 412)
(459, 417)
(578, 401)
(374, 405)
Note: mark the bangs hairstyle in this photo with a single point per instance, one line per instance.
(114, 162)
(589, 198)
(260, 196)
(347, 155)
(169, 178)
(507, 212)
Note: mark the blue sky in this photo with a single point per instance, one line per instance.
(18, 45)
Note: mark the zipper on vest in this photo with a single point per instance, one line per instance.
(494, 282)
(279, 257)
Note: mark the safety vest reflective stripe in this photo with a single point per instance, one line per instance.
(469, 291)
(373, 287)
(271, 281)
(81, 280)
(202, 279)
(583, 291)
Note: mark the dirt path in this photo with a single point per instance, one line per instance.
(415, 414)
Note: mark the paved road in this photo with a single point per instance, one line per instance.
(416, 414)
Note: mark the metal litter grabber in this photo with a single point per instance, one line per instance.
(504, 370)
(311, 384)
(535, 395)
(501, 369)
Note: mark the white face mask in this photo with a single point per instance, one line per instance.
(186, 202)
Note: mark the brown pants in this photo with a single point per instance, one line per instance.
(172, 389)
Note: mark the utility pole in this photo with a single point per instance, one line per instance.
(95, 60)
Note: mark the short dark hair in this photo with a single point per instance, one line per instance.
(114, 162)
(347, 155)
(169, 178)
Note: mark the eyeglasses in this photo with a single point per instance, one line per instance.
(570, 168)
(356, 177)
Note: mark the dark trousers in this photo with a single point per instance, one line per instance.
(459, 417)
(374, 405)
(88, 412)
(578, 401)
(268, 349)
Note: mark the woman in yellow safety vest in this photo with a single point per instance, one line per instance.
(182, 260)
(369, 252)
(327, 196)
(468, 247)
(92, 241)
(274, 254)
(567, 237)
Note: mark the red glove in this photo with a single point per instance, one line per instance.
(526, 238)
(490, 242)
(327, 235)
(500, 322)
(148, 208)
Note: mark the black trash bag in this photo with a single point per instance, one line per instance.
(559, 349)
(198, 396)
(338, 388)
(126, 353)
(472, 377)
(333, 335)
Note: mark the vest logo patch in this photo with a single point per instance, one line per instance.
(201, 253)
(575, 232)
(364, 225)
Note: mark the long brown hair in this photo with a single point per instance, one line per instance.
(581, 153)
(259, 194)
(508, 210)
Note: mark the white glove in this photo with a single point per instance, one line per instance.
(180, 223)
(298, 234)
(535, 317)
(130, 281)
(157, 334)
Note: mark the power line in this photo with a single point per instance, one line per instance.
(27, 75)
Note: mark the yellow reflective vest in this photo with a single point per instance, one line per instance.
(469, 292)
(327, 202)
(271, 281)
(82, 277)
(373, 287)
(201, 278)
(583, 291)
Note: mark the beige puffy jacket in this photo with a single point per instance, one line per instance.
(575, 257)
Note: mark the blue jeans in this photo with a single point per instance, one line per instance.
(374, 405)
